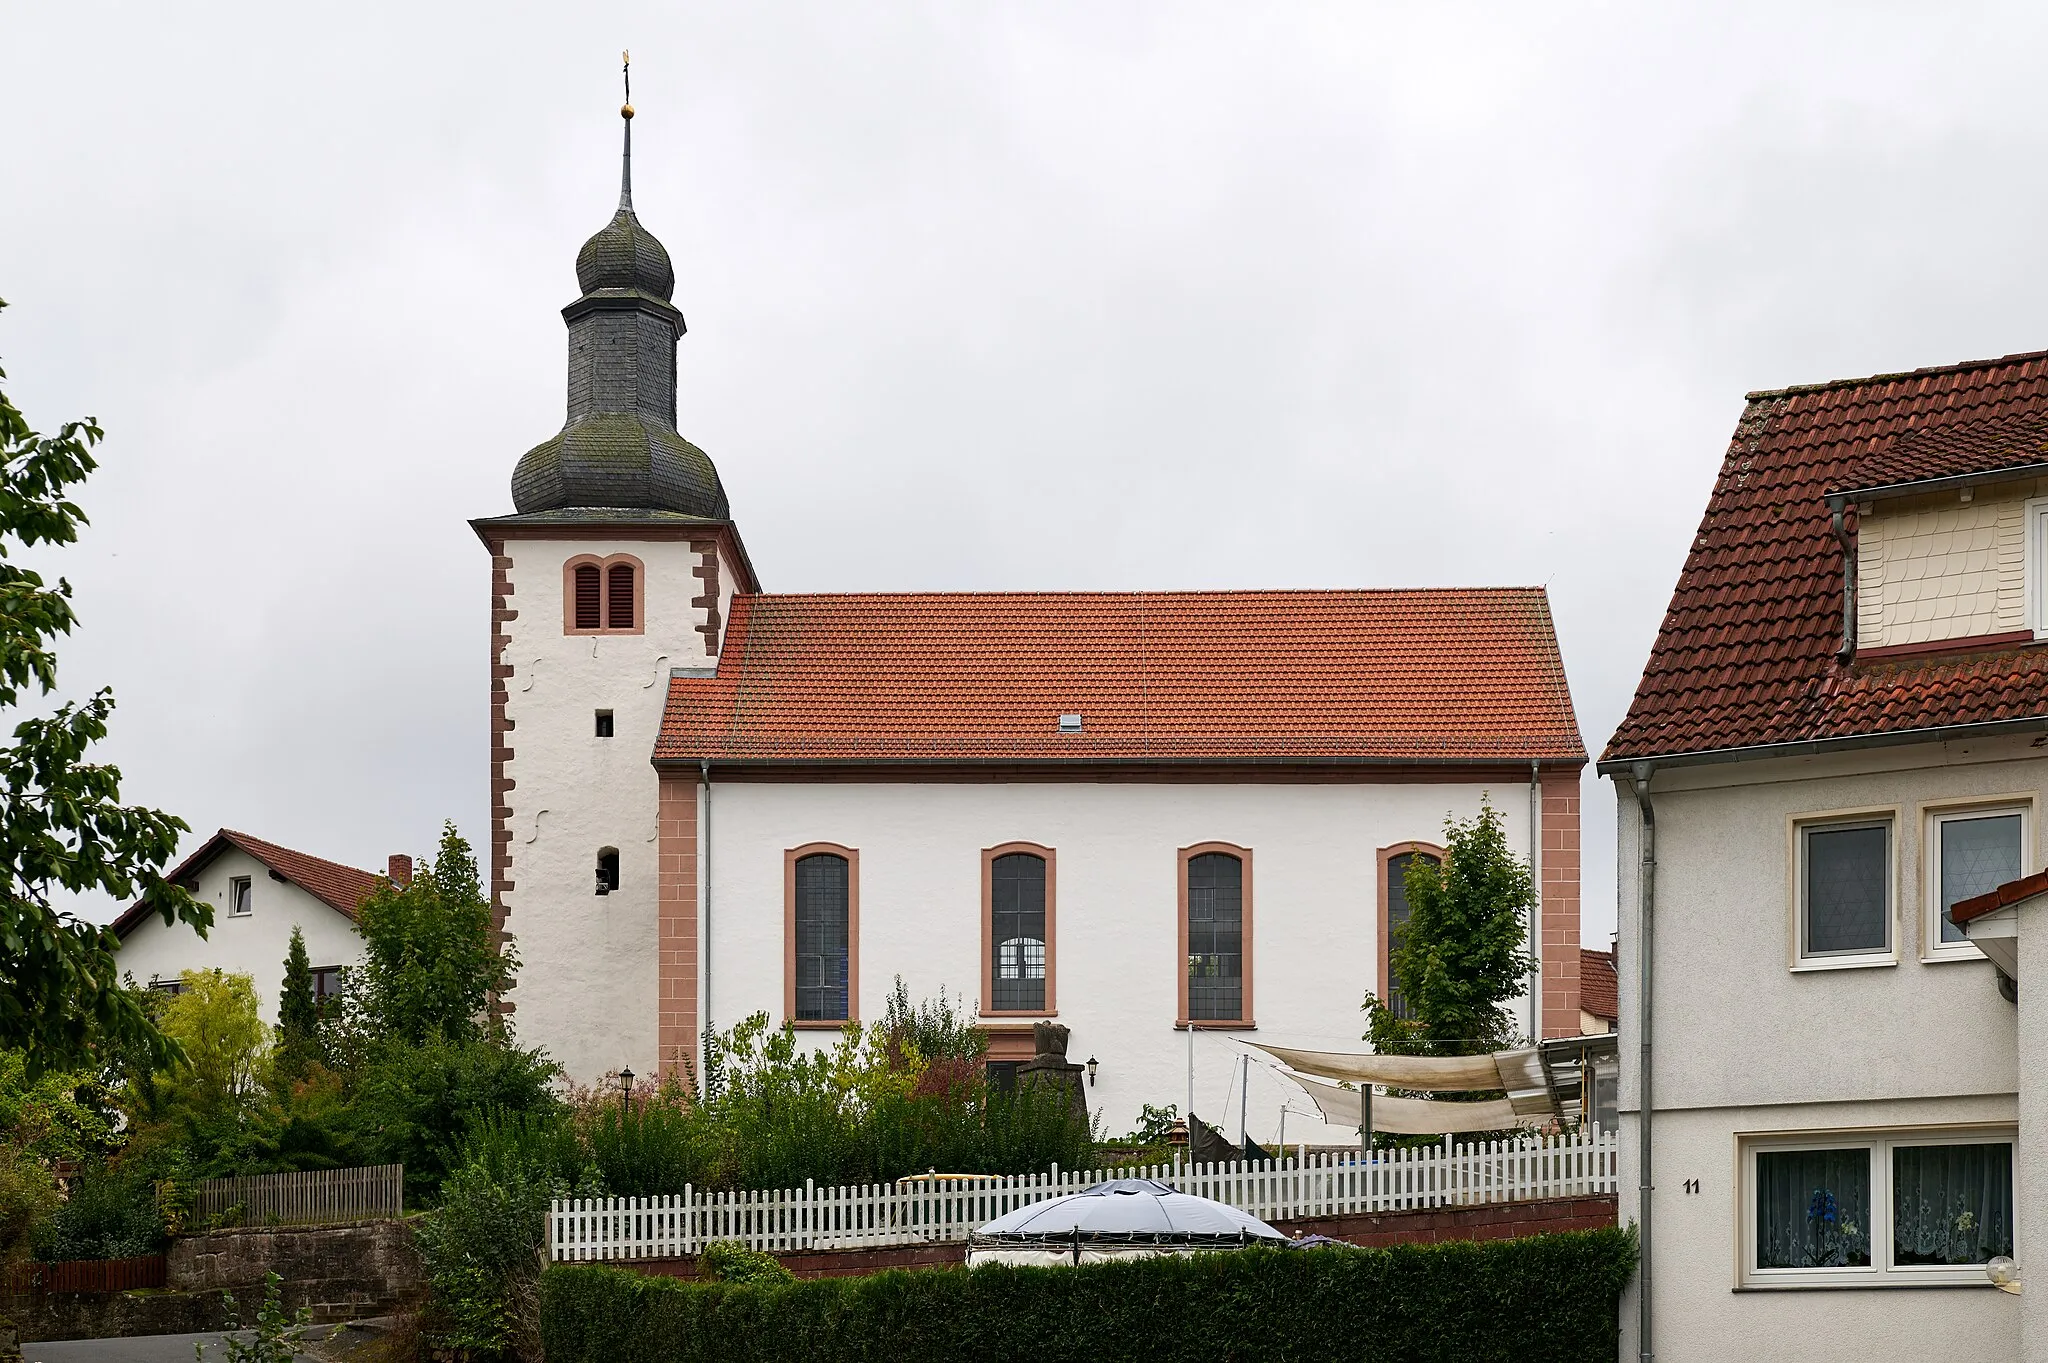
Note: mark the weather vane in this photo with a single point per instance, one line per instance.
(626, 60)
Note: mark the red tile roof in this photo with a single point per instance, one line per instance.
(1745, 656)
(2001, 445)
(1462, 676)
(2012, 892)
(341, 888)
(1599, 988)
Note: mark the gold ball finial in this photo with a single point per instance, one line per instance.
(625, 111)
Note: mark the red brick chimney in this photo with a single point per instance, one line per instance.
(400, 869)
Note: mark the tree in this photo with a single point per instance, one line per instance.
(431, 963)
(1462, 956)
(215, 1020)
(62, 826)
(298, 1016)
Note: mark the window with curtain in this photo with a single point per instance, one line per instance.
(1215, 910)
(618, 596)
(1813, 1208)
(1017, 932)
(1884, 1209)
(1397, 922)
(1846, 895)
(1978, 852)
(822, 938)
(589, 597)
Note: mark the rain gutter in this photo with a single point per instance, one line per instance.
(1646, 902)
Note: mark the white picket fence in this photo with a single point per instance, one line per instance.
(943, 1208)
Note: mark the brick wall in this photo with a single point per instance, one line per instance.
(1560, 871)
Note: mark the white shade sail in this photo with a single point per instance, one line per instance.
(1414, 1116)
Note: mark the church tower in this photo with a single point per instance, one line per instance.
(615, 571)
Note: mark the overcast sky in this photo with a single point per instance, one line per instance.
(979, 296)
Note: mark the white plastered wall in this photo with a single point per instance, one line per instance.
(1314, 891)
(1940, 568)
(254, 946)
(1744, 1043)
(587, 981)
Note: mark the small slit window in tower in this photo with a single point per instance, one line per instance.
(619, 597)
(604, 724)
(607, 870)
(1070, 724)
(588, 591)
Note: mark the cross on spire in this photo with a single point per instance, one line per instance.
(626, 113)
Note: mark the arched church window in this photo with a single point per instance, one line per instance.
(603, 595)
(821, 890)
(1017, 937)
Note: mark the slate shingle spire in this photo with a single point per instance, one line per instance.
(619, 448)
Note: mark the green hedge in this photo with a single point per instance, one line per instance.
(1545, 1299)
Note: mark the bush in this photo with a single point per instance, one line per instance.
(1547, 1299)
(113, 1213)
(729, 1261)
(412, 1103)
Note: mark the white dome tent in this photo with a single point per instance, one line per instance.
(1125, 1218)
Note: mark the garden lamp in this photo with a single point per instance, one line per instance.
(1091, 1071)
(626, 1089)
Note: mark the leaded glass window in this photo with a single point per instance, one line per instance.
(1397, 922)
(1847, 891)
(1215, 937)
(1979, 853)
(822, 937)
(1017, 932)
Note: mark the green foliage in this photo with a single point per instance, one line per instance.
(273, 1337)
(1154, 1124)
(932, 1030)
(412, 1103)
(729, 1261)
(486, 1244)
(298, 1015)
(1547, 1299)
(430, 959)
(57, 1114)
(113, 1213)
(1463, 955)
(215, 1019)
(29, 1201)
(62, 826)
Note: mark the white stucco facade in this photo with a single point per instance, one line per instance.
(1752, 1043)
(252, 945)
(588, 961)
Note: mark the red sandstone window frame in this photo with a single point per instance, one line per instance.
(1384, 950)
(789, 860)
(1246, 1021)
(604, 568)
(988, 944)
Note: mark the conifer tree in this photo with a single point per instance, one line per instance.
(298, 1015)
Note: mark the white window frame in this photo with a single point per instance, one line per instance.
(1882, 1272)
(1797, 829)
(2037, 566)
(247, 884)
(1933, 816)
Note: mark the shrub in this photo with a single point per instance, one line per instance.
(729, 1261)
(1548, 1299)
(412, 1103)
(113, 1213)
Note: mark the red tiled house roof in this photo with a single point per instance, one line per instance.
(1599, 989)
(1443, 676)
(2012, 892)
(341, 888)
(1746, 654)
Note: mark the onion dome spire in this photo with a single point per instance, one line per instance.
(619, 449)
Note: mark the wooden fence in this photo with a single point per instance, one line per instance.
(323, 1197)
(86, 1275)
(943, 1208)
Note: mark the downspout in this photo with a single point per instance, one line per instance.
(704, 941)
(1838, 522)
(1646, 903)
(1535, 904)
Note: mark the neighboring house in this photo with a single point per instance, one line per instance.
(1132, 812)
(1837, 739)
(259, 893)
(1598, 1006)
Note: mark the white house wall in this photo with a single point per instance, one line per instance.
(254, 946)
(1743, 1043)
(1314, 893)
(588, 973)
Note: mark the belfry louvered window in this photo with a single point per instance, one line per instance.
(1215, 912)
(618, 596)
(602, 596)
(823, 937)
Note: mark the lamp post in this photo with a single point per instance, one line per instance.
(626, 1091)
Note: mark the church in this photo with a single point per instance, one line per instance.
(1165, 820)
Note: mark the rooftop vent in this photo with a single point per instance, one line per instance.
(1070, 724)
